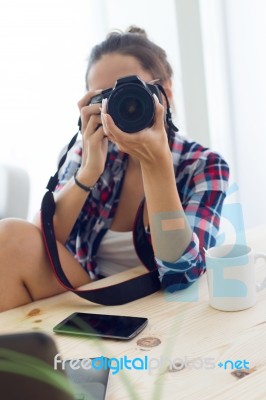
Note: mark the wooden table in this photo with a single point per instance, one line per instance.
(177, 329)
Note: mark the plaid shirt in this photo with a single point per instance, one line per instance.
(201, 179)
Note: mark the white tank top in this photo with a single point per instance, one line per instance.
(116, 253)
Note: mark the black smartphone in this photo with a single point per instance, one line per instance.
(101, 325)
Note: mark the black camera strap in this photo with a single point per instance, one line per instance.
(119, 293)
(168, 116)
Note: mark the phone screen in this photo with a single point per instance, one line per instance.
(102, 325)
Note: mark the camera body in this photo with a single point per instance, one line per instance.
(130, 103)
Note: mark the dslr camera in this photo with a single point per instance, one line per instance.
(130, 103)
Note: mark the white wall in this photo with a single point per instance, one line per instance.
(192, 72)
(246, 34)
(232, 44)
(216, 49)
(44, 45)
(217, 79)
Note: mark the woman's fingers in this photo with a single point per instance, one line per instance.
(89, 115)
(87, 109)
(159, 113)
(94, 122)
(86, 99)
(94, 142)
(109, 126)
(110, 129)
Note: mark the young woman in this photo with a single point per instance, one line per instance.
(104, 181)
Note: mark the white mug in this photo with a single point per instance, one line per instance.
(231, 277)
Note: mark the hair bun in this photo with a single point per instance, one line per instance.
(135, 29)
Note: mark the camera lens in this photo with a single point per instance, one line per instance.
(131, 107)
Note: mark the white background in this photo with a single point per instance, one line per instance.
(217, 49)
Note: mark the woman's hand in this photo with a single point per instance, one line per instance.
(148, 145)
(94, 140)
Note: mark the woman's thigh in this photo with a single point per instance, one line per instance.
(23, 261)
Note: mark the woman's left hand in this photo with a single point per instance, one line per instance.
(147, 145)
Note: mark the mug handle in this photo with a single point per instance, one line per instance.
(262, 285)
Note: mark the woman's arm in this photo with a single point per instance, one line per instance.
(205, 184)
(70, 197)
(170, 230)
(179, 231)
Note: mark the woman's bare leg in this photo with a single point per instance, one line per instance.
(25, 271)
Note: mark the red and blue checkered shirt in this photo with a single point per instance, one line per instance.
(201, 180)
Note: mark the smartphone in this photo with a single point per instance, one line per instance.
(101, 325)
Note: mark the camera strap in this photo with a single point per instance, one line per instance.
(168, 116)
(116, 294)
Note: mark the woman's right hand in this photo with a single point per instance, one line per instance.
(94, 141)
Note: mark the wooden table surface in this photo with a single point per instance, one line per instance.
(180, 328)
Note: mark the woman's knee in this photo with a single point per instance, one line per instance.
(18, 234)
(24, 256)
(21, 245)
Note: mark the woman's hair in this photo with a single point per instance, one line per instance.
(134, 42)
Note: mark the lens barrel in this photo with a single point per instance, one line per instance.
(132, 107)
